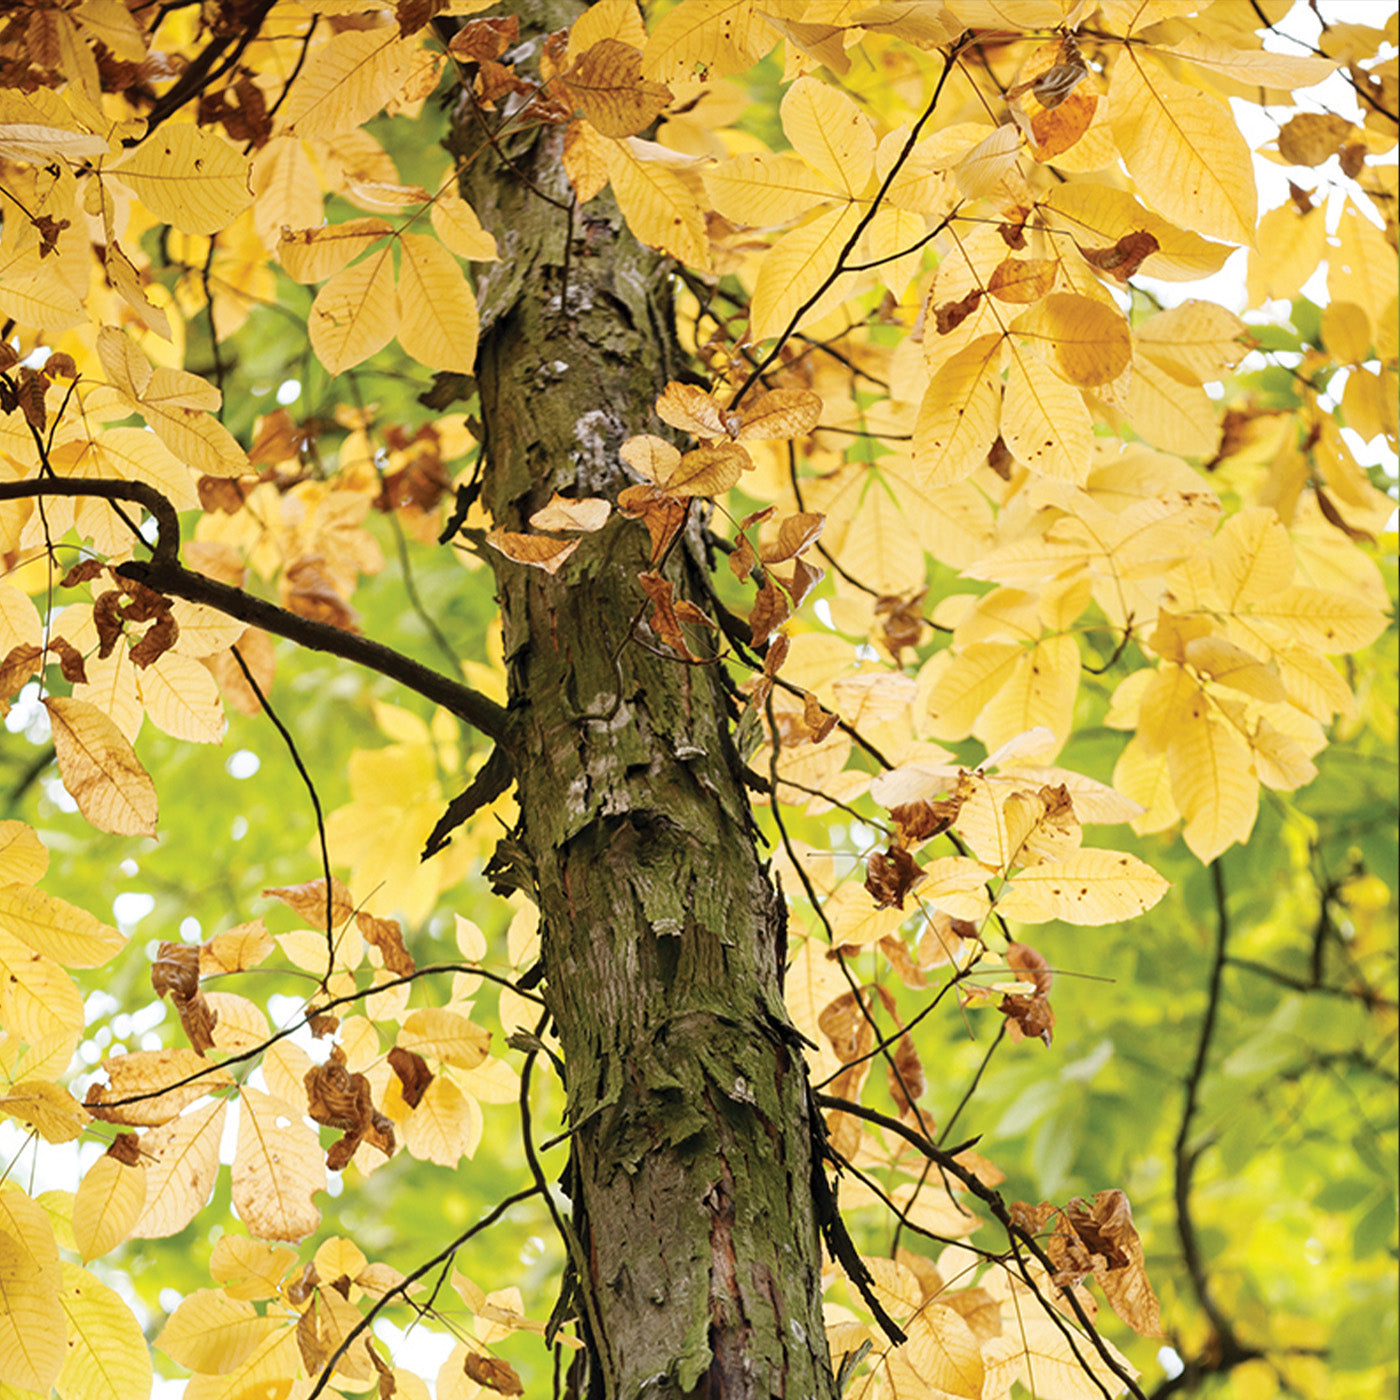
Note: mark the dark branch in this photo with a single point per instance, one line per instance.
(167, 575)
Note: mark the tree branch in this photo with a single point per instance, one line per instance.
(167, 575)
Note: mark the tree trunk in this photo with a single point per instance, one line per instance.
(663, 936)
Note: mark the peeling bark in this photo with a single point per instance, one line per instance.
(663, 936)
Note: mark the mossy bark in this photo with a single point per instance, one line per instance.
(663, 935)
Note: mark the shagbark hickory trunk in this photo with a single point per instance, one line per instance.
(695, 1237)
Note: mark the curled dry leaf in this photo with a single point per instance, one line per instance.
(413, 1073)
(493, 1373)
(586, 513)
(387, 936)
(537, 551)
(100, 769)
(149, 1087)
(175, 969)
(1122, 259)
(309, 901)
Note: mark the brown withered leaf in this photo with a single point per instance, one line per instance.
(1029, 1017)
(84, 571)
(891, 875)
(15, 670)
(999, 458)
(742, 561)
(770, 610)
(413, 1072)
(484, 38)
(953, 313)
(493, 1373)
(339, 1099)
(308, 590)
(259, 656)
(70, 660)
(776, 654)
(126, 1148)
(902, 960)
(387, 936)
(662, 514)
(921, 821)
(903, 620)
(1098, 1238)
(805, 577)
(219, 495)
(664, 621)
(175, 970)
(107, 621)
(1123, 258)
(157, 640)
(819, 720)
(1352, 159)
(907, 1081)
(309, 901)
(795, 533)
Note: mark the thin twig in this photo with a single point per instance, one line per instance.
(315, 804)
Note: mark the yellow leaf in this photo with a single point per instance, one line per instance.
(960, 694)
(981, 172)
(854, 917)
(1089, 339)
(1362, 267)
(159, 1084)
(446, 1036)
(1183, 149)
(1044, 422)
(1255, 66)
(1091, 887)
(268, 1374)
(455, 222)
(47, 1107)
(1036, 1352)
(240, 947)
(831, 133)
(607, 19)
(1040, 690)
(1098, 216)
(437, 310)
(277, 1169)
(182, 1163)
(607, 86)
(1212, 782)
(107, 1354)
(585, 160)
(32, 1324)
(659, 208)
(38, 1001)
(347, 81)
(107, 1204)
(1021, 281)
(135, 455)
(1251, 558)
(355, 313)
(100, 769)
(1232, 666)
(761, 189)
(943, 1351)
(188, 176)
(57, 929)
(796, 267)
(1196, 342)
(712, 37)
(1014, 15)
(249, 1268)
(213, 1332)
(444, 1126)
(313, 254)
(23, 857)
(957, 420)
(1176, 417)
(1143, 774)
(1331, 622)
(182, 698)
(1290, 246)
(957, 886)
